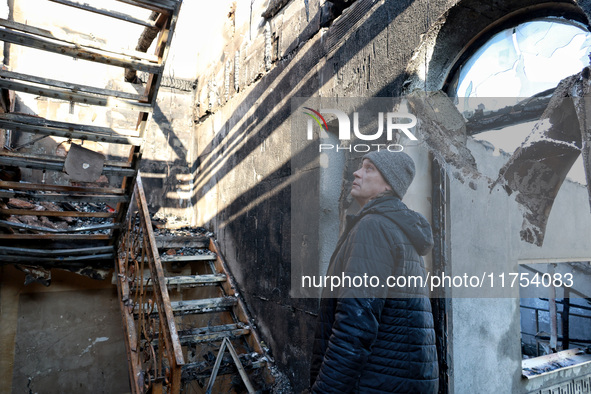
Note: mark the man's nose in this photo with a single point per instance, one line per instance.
(356, 174)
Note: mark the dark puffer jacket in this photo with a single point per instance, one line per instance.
(384, 342)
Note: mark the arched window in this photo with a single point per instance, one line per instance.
(517, 63)
(524, 60)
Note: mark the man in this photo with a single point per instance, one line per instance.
(378, 339)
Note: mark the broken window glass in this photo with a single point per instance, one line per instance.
(528, 60)
(524, 60)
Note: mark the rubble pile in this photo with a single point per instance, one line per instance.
(186, 252)
(176, 227)
(183, 232)
(165, 227)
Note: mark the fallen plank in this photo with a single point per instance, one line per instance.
(528, 110)
(210, 334)
(72, 214)
(197, 257)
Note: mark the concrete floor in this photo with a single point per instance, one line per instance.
(65, 338)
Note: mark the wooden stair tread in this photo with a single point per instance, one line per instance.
(72, 214)
(171, 241)
(202, 370)
(212, 336)
(190, 280)
(195, 336)
(183, 258)
(206, 305)
(203, 306)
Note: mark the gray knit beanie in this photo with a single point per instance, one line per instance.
(397, 168)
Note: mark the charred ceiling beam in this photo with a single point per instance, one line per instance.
(144, 43)
(526, 111)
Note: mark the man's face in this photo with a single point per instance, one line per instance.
(368, 183)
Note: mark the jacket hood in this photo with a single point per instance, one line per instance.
(413, 224)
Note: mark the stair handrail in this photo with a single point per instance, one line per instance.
(153, 348)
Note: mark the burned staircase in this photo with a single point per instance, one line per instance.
(197, 339)
(184, 306)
